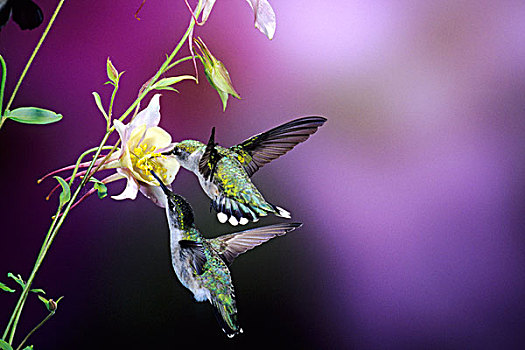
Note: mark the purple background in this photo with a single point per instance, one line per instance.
(412, 194)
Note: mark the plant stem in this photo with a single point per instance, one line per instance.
(37, 47)
(59, 219)
(35, 329)
(21, 300)
(79, 160)
(2, 88)
(53, 230)
(165, 65)
(177, 62)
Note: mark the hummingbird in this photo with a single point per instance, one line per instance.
(224, 173)
(202, 264)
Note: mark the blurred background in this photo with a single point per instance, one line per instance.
(412, 194)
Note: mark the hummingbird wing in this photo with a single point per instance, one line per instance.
(232, 245)
(195, 252)
(269, 145)
(209, 159)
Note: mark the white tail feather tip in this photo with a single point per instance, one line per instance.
(233, 221)
(283, 213)
(222, 217)
(243, 221)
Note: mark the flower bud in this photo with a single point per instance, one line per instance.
(52, 305)
(112, 71)
(216, 73)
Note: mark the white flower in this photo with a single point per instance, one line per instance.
(263, 13)
(143, 143)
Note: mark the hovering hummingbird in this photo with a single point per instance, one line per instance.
(224, 173)
(202, 264)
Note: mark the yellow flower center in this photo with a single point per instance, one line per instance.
(145, 159)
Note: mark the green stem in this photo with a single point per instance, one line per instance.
(79, 160)
(34, 54)
(35, 329)
(2, 88)
(53, 230)
(25, 291)
(164, 66)
(177, 62)
(110, 112)
(59, 219)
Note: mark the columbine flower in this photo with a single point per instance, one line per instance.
(142, 145)
(262, 10)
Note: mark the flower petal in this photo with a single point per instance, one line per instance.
(155, 194)
(123, 131)
(172, 167)
(208, 5)
(132, 187)
(264, 17)
(156, 137)
(150, 116)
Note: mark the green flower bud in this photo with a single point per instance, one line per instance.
(216, 73)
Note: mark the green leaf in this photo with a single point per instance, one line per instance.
(102, 190)
(18, 279)
(33, 115)
(29, 347)
(65, 196)
(6, 288)
(98, 102)
(45, 301)
(37, 290)
(166, 82)
(5, 346)
(167, 88)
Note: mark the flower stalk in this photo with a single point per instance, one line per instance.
(63, 211)
(29, 62)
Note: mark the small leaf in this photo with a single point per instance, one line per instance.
(98, 101)
(166, 82)
(5, 346)
(45, 301)
(167, 88)
(6, 288)
(33, 115)
(18, 279)
(102, 190)
(37, 290)
(112, 72)
(65, 196)
(29, 347)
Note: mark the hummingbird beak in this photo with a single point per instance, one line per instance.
(166, 190)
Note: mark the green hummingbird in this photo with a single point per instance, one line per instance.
(224, 173)
(202, 264)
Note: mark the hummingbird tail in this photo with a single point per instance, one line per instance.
(283, 213)
(226, 314)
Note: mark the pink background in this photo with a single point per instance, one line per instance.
(411, 195)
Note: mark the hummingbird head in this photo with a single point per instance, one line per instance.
(180, 213)
(183, 150)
